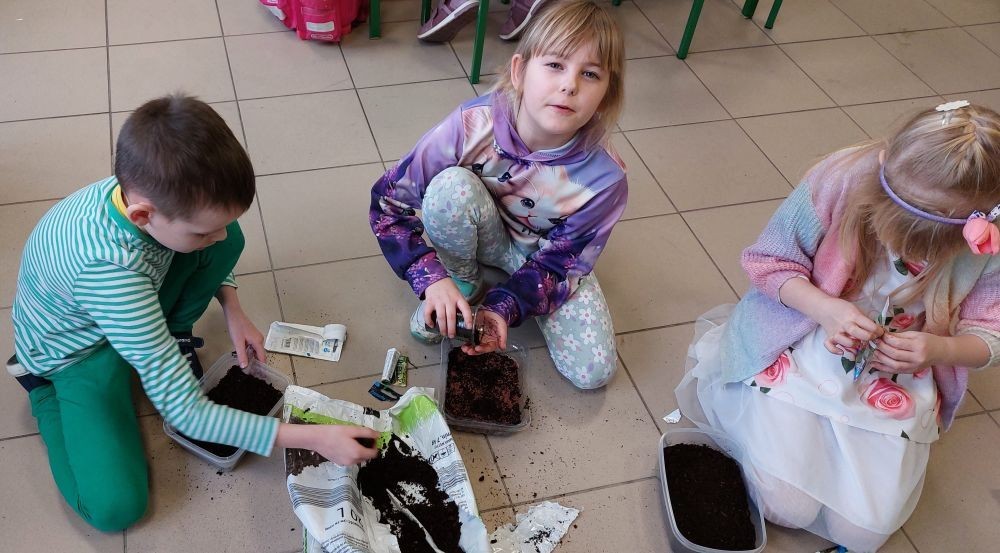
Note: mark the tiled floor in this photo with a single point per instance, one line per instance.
(713, 143)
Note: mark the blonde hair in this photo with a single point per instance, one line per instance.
(563, 28)
(944, 163)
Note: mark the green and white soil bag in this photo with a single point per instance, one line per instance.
(326, 498)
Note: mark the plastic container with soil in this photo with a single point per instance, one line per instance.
(516, 352)
(210, 380)
(723, 444)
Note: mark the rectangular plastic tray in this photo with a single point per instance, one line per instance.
(210, 380)
(718, 442)
(520, 356)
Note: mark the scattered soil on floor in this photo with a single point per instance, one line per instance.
(242, 391)
(709, 497)
(483, 388)
(413, 481)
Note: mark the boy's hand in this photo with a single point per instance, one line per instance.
(244, 334)
(494, 335)
(907, 352)
(339, 443)
(442, 300)
(847, 328)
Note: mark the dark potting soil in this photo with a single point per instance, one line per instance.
(412, 480)
(483, 388)
(242, 391)
(709, 497)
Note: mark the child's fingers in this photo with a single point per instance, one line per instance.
(449, 325)
(832, 347)
(894, 352)
(430, 318)
(241, 356)
(463, 306)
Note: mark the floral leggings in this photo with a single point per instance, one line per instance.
(462, 221)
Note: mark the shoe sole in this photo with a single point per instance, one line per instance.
(15, 369)
(451, 25)
(531, 13)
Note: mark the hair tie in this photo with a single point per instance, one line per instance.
(978, 229)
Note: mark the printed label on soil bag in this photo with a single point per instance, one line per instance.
(337, 516)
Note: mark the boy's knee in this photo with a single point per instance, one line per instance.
(114, 512)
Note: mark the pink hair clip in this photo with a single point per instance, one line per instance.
(982, 233)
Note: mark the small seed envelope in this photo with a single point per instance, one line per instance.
(325, 342)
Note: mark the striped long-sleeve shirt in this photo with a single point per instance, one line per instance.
(88, 277)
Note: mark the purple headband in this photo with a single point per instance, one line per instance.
(993, 214)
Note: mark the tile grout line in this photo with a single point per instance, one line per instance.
(635, 386)
(535, 500)
(496, 465)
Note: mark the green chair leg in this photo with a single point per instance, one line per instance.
(749, 7)
(374, 19)
(692, 23)
(477, 45)
(425, 11)
(773, 14)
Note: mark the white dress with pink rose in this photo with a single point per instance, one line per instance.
(828, 451)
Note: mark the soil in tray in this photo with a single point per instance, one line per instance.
(242, 391)
(483, 388)
(708, 497)
(413, 481)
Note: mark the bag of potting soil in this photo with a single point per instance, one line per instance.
(398, 491)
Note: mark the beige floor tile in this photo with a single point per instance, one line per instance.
(987, 34)
(51, 158)
(663, 91)
(330, 205)
(497, 518)
(786, 540)
(15, 411)
(363, 294)
(312, 131)
(654, 273)
(132, 21)
(569, 445)
(398, 57)
(16, 223)
(631, 514)
(243, 510)
(396, 125)
(645, 197)
(35, 84)
(40, 520)
(878, 120)
(240, 18)
(757, 81)
(142, 72)
(892, 16)
(968, 12)
(807, 20)
(255, 255)
(655, 360)
(930, 55)
(475, 451)
(642, 40)
(726, 231)
(229, 111)
(958, 509)
(796, 141)
(277, 64)
(496, 52)
(402, 10)
(856, 70)
(738, 173)
(30, 25)
(985, 385)
(720, 26)
(970, 406)
(988, 98)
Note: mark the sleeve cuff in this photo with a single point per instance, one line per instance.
(992, 340)
(777, 292)
(504, 305)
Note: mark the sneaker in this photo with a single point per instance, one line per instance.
(473, 292)
(27, 380)
(521, 12)
(188, 345)
(449, 18)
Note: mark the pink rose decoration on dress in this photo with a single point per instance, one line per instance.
(890, 398)
(775, 374)
(902, 321)
(982, 235)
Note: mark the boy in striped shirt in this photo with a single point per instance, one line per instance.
(110, 278)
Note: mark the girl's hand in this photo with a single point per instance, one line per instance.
(339, 443)
(847, 328)
(907, 352)
(243, 334)
(494, 335)
(442, 300)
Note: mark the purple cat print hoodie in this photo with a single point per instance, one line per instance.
(559, 206)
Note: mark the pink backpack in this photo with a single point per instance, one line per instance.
(327, 20)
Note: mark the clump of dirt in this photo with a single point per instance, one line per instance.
(484, 388)
(709, 497)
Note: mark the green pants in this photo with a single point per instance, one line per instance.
(86, 416)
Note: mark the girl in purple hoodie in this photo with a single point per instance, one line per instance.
(522, 179)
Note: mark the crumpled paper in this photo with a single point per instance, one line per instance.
(537, 531)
